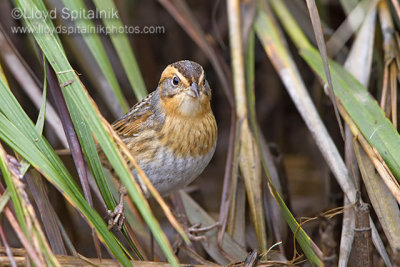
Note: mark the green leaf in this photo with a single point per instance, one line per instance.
(90, 151)
(123, 48)
(41, 117)
(20, 134)
(77, 98)
(25, 212)
(15, 197)
(363, 109)
(42, 7)
(268, 35)
(4, 200)
(93, 41)
(42, 111)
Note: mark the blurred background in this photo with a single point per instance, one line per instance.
(306, 182)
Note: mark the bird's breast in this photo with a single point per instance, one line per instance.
(177, 153)
(189, 137)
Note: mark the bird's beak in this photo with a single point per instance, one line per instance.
(193, 91)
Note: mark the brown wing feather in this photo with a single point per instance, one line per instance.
(130, 123)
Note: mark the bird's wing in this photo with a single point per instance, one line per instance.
(130, 123)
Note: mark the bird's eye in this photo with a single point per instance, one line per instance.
(175, 81)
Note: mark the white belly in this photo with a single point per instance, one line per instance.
(168, 173)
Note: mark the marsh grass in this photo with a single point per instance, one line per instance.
(283, 72)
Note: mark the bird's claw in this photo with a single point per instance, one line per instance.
(195, 229)
(117, 217)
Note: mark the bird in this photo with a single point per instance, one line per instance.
(172, 132)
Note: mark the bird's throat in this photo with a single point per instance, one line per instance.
(187, 107)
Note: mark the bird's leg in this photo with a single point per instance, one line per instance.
(191, 231)
(196, 229)
(117, 216)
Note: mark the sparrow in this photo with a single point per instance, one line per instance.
(171, 133)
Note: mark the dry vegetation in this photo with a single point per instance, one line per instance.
(307, 163)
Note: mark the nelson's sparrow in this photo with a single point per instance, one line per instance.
(172, 132)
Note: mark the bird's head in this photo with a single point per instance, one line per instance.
(184, 90)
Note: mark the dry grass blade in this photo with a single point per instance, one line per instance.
(393, 92)
(377, 161)
(347, 235)
(382, 200)
(250, 161)
(359, 63)
(236, 224)
(322, 49)
(67, 240)
(7, 247)
(249, 11)
(34, 256)
(20, 260)
(197, 215)
(68, 126)
(236, 45)
(196, 257)
(348, 5)
(296, 88)
(350, 25)
(390, 68)
(179, 210)
(301, 42)
(30, 232)
(231, 168)
(290, 25)
(74, 145)
(359, 60)
(46, 211)
(388, 48)
(230, 181)
(250, 168)
(273, 212)
(396, 6)
(351, 192)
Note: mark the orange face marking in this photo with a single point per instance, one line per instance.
(170, 72)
